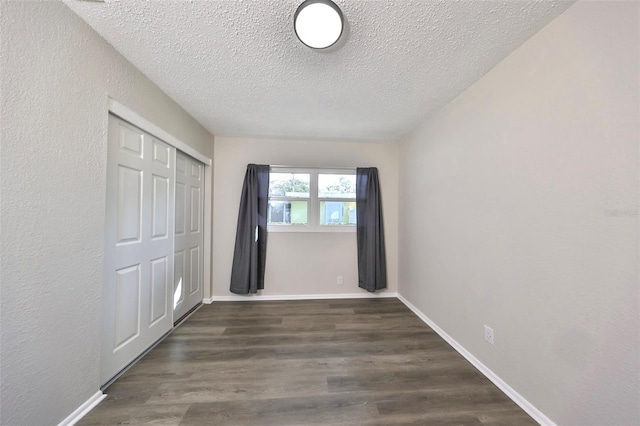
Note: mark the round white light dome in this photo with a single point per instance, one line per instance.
(318, 23)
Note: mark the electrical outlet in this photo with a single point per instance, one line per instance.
(340, 280)
(488, 334)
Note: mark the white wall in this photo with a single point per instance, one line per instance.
(520, 211)
(299, 263)
(57, 75)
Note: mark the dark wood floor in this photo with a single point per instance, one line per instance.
(325, 362)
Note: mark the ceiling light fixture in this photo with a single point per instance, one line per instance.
(318, 23)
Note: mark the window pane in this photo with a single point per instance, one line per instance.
(337, 213)
(294, 185)
(287, 213)
(299, 212)
(336, 186)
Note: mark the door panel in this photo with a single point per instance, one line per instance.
(127, 305)
(194, 284)
(160, 207)
(130, 141)
(129, 204)
(139, 245)
(178, 289)
(181, 207)
(195, 210)
(159, 288)
(161, 153)
(195, 170)
(189, 236)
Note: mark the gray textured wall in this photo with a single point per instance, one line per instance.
(520, 211)
(57, 75)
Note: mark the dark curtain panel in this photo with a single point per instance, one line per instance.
(247, 272)
(372, 262)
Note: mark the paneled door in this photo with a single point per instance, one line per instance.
(139, 245)
(189, 236)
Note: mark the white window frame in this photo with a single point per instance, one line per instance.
(313, 207)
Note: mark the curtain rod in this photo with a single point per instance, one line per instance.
(307, 167)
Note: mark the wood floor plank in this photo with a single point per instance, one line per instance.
(310, 362)
(282, 411)
(168, 415)
(230, 389)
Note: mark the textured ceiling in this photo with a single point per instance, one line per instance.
(238, 68)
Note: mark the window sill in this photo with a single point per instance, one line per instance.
(310, 229)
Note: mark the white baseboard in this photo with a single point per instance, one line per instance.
(252, 297)
(82, 410)
(528, 407)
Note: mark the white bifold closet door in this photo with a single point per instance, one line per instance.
(188, 235)
(139, 245)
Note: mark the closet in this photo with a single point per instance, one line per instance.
(153, 243)
(188, 235)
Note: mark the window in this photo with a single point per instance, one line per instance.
(337, 198)
(288, 198)
(312, 200)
